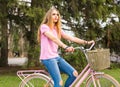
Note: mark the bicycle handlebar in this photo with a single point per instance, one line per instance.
(83, 49)
(90, 47)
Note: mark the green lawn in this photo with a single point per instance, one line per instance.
(11, 79)
(114, 72)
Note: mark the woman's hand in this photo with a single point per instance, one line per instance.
(69, 49)
(91, 42)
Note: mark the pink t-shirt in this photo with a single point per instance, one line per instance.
(49, 49)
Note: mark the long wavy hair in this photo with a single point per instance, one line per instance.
(48, 21)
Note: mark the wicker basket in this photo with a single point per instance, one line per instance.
(99, 59)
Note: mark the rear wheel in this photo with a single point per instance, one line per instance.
(37, 80)
(102, 80)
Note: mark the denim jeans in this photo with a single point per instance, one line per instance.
(54, 66)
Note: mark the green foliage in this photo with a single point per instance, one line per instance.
(91, 11)
(81, 15)
(115, 38)
(35, 14)
(33, 56)
(12, 3)
(16, 37)
(115, 65)
(76, 59)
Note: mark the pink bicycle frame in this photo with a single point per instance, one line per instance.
(82, 76)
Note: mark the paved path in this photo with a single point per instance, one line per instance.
(17, 61)
(23, 61)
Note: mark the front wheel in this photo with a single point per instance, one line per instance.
(102, 80)
(37, 80)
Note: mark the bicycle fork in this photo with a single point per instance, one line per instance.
(95, 80)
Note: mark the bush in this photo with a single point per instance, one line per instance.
(76, 59)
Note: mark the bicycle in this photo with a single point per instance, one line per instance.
(92, 78)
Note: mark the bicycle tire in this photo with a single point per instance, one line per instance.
(105, 80)
(37, 80)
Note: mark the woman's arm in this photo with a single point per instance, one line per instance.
(58, 42)
(55, 39)
(76, 40)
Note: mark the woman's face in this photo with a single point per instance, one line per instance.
(55, 16)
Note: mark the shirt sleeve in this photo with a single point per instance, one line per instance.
(62, 32)
(44, 28)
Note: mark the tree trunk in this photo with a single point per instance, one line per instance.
(32, 40)
(108, 38)
(4, 34)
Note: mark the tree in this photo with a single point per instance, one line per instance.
(86, 16)
(82, 16)
(4, 33)
(33, 15)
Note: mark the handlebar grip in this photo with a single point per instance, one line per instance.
(91, 46)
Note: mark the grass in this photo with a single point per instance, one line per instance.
(114, 73)
(10, 79)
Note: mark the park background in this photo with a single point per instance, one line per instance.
(86, 19)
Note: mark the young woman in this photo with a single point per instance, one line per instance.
(49, 35)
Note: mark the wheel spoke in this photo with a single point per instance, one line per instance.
(37, 81)
(103, 80)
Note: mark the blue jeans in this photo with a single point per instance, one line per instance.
(54, 66)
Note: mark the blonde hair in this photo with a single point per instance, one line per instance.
(48, 20)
